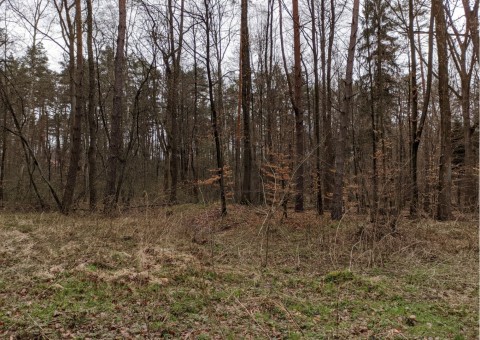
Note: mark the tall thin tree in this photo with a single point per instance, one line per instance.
(444, 208)
(213, 110)
(337, 206)
(115, 146)
(316, 110)
(417, 137)
(92, 124)
(298, 110)
(246, 80)
(75, 148)
(413, 108)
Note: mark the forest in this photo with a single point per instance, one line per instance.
(239, 169)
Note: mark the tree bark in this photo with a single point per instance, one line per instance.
(414, 110)
(374, 138)
(465, 71)
(246, 80)
(76, 133)
(172, 61)
(337, 206)
(472, 24)
(316, 115)
(298, 110)
(92, 123)
(444, 210)
(328, 158)
(419, 129)
(4, 134)
(329, 147)
(213, 111)
(115, 146)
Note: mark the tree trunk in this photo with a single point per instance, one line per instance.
(337, 206)
(76, 132)
(414, 110)
(316, 115)
(246, 80)
(472, 24)
(298, 110)
(213, 111)
(269, 72)
(444, 210)
(92, 123)
(374, 141)
(467, 187)
(4, 151)
(427, 85)
(116, 119)
(172, 62)
(194, 139)
(329, 147)
(328, 158)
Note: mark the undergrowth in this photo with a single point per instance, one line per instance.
(184, 272)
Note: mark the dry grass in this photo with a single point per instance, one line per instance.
(183, 272)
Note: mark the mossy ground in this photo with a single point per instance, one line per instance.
(183, 272)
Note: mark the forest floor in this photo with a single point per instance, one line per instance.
(183, 272)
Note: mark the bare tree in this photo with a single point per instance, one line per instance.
(337, 206)
(92, 123)
(213, 110)
(459, 44)
(3, 43)
(472, 24)
(444, 209)
(246, 80)
(111, 190)
(316, 110)
(418, 126)
(413, 107)
(171, 57)
(298, 110)
(326, 47)
(75, 148)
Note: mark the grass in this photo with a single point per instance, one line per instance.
(186, 273)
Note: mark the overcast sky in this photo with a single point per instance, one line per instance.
(18, 16)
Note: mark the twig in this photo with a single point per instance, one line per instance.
(42, 331)
(282, 306)
(333, 256)
(252, 317)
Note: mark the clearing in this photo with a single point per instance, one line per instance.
(182, 272)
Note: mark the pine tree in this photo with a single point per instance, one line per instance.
(379, 51)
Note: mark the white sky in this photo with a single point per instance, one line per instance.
(20, 32)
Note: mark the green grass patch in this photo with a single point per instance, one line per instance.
(339, 277)
(143, 277)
